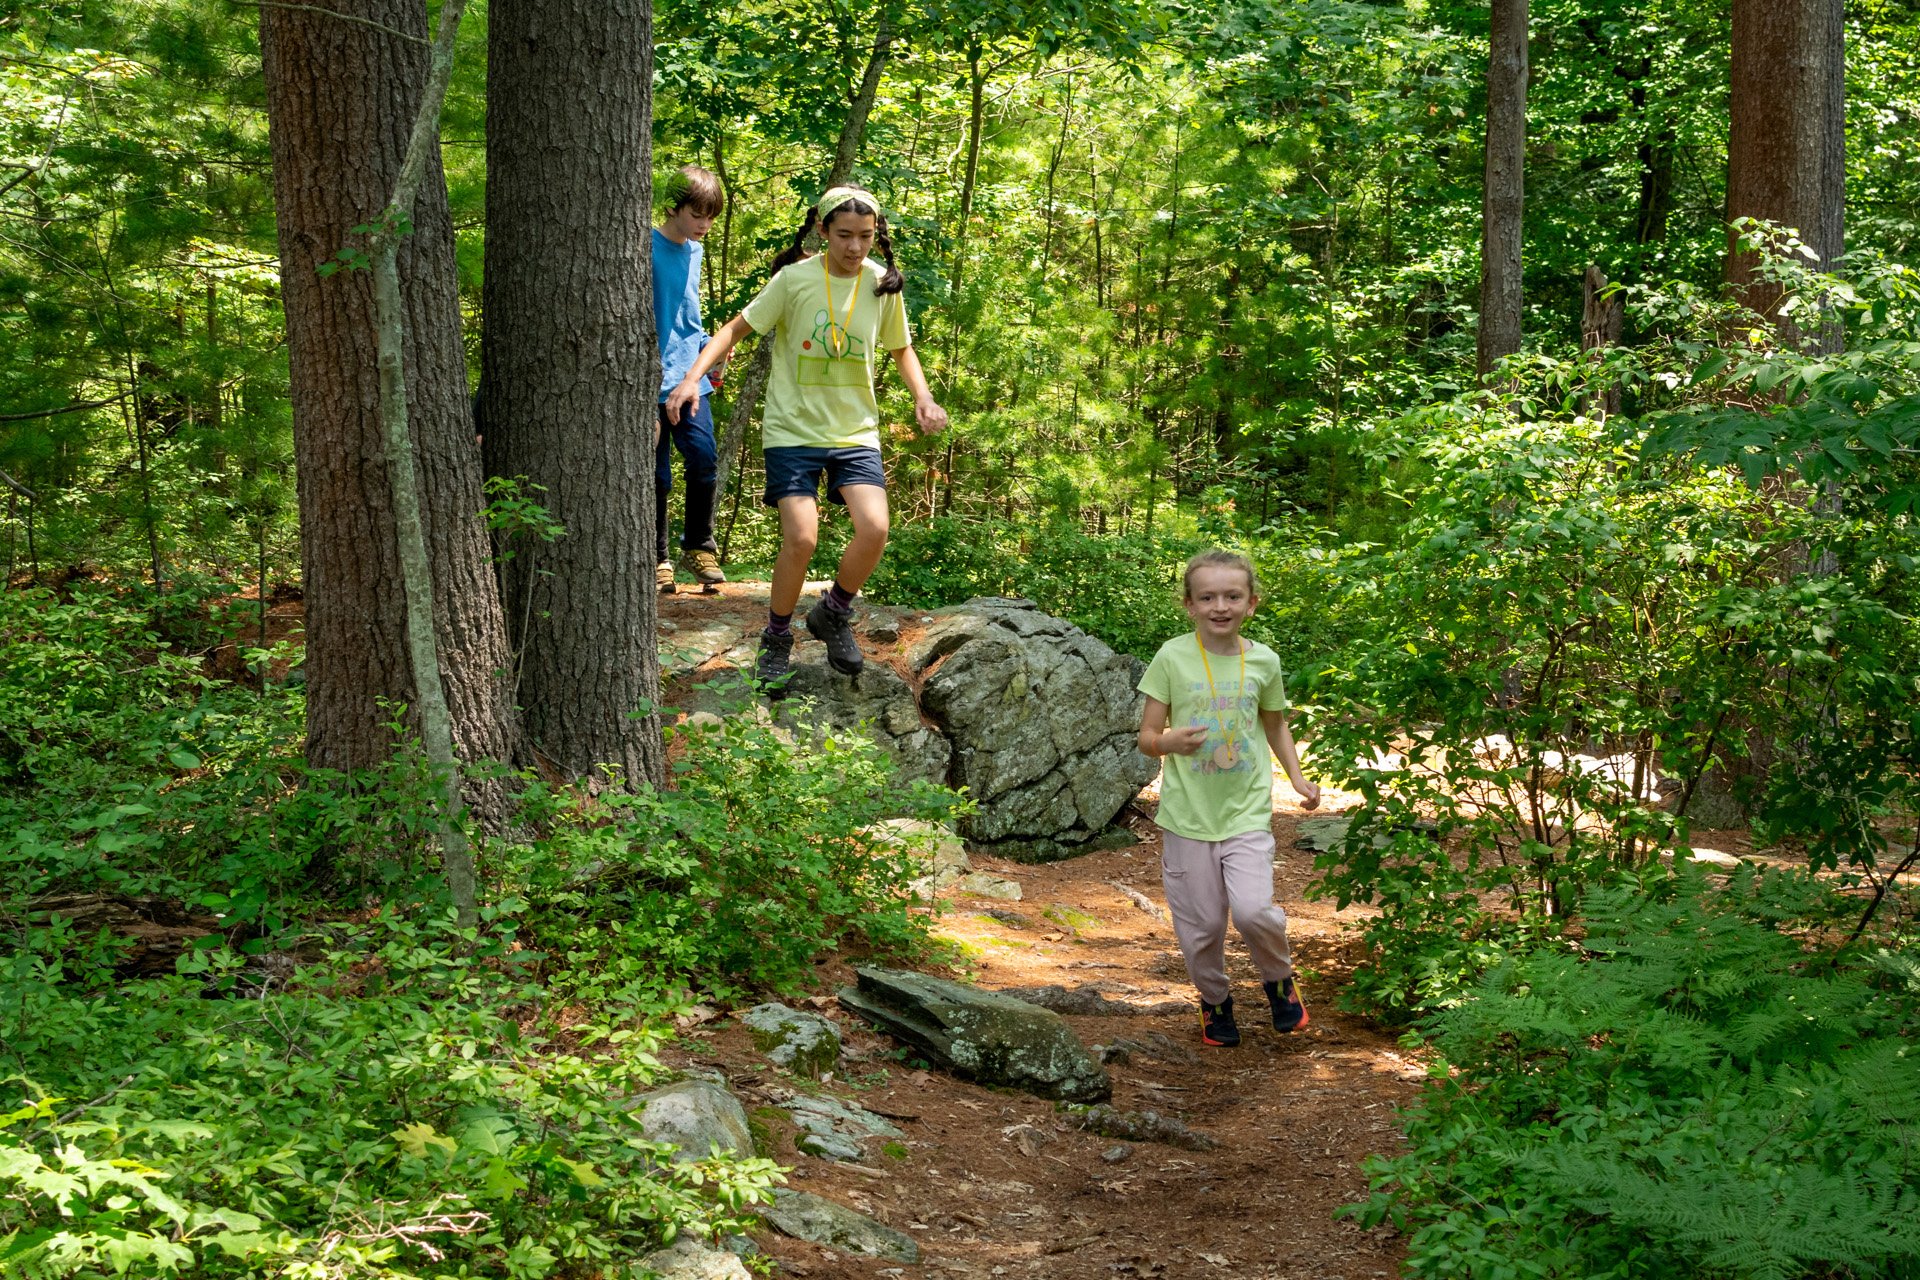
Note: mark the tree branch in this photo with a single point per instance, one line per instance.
(331, 13)
(18, 488)
(81, 407)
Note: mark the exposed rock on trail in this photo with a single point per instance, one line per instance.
(1032, 715)
(696, 1116)
(1042, 718)
(1143, 1126)
(821, 1221)
(981, 1035)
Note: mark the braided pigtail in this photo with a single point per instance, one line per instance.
(891, 281)
(798, 249)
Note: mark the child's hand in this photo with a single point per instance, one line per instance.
(933, 419)
(1309, 795)
(679, 400)
(1183, 742)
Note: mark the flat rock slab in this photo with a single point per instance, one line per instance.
(696, 1116)
(981, 1035)
(801, 1042)
(687, 1259)
(833, 1129)
(818, 1221)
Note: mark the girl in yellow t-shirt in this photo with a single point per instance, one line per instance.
(1226, 698)
(830, 315)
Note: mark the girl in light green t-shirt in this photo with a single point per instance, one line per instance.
(1216, 703)
(830, 316)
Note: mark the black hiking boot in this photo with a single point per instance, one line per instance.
(774, 664)
(1217, 1027)
(835, 630)
(1289, 1010)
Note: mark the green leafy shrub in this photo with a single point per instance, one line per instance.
(759, 858)
(401, 1106)
(1690, 1093)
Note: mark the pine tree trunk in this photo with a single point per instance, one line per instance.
(1786, 149)
(341, 98)
(1503, 200)
(571, 367)
(753, 383)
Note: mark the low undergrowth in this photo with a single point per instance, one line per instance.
(338, 1081)
(1690, 1091)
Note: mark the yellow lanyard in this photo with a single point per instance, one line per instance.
(839, 343)
(1226, 755)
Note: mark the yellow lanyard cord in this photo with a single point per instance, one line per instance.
(1231, 731)
(841, 342)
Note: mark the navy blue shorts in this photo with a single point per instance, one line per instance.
(796, 469)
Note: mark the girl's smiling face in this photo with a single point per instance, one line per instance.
(849, 239)
(1219, 600)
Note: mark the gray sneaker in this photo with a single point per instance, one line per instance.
(774, 664)
(835, 630)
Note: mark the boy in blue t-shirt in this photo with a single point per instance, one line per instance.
(691, 199)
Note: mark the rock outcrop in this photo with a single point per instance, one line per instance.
(1041, 718)
(982, 1035)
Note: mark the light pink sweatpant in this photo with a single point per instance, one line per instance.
(1205, 879)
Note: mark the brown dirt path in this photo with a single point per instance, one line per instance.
(996, 1183)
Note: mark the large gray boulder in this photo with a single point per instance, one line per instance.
(880, 704)
(696, 1116)
(981, 1035)
(1042, 719)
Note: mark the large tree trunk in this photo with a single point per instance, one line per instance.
(571, 368)
(341, 99)
(1503, 199)
(1787, 147)
(753, 383)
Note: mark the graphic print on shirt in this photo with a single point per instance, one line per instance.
(1225, 716)
(831, 356)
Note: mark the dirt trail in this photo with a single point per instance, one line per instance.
(996, 1183)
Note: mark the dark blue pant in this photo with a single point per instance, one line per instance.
(694, 438)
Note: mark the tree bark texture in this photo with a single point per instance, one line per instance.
(571, 368)
(1786, 149)
(753, 383)
(341, 100)
(1503, 199)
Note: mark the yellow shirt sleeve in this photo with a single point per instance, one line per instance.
(764, 312)
(894, 331)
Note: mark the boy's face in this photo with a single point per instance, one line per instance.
(849, 240)
(685, 224)
(1219, 600)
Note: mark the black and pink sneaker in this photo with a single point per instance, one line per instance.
(1289, 1010)
(1217, 1027)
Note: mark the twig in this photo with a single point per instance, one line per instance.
(19, 488)
(85, 1107)
(331, 13)
(1880, 890)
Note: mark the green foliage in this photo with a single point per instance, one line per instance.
(761, 857)
(1571, 636)
(1688, 1092)
(398, 1106)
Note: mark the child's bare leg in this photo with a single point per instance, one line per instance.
(799, 535)
(867, 506)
